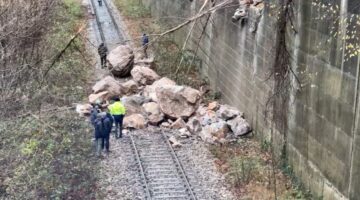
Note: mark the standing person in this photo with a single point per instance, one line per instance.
(102, 50)
(100, 2)
(117, 110)
(145, 43)
(102, 122)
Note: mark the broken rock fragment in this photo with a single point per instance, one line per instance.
(239, 126)
(193, 125)
(136, 121)
(227, 112)
(178, 124)
(121, 61)
(173, 141)
(144, 75)
(177, 101)
(213, 106)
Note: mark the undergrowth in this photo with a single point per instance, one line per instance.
(132, 8)
(47, 154)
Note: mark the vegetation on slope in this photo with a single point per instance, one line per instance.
(45, 149)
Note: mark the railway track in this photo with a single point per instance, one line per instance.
(107, 27)
(160, 170)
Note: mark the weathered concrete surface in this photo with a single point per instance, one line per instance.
(323, 120)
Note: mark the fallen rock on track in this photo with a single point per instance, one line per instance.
(101, 96)
(173, 141)
(130, 87)
(144, 75)
(133, 104)
(155, 116)
(121, 61)
(108, 84)
(136, 121)
(150, 90)
(177, 101)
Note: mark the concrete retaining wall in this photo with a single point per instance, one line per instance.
(323, 143)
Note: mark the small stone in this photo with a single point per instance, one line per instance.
(165, 125)
(178, 124)
(213, 106)
(174, 142)
(184, 133)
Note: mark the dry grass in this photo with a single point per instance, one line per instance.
(258, 180)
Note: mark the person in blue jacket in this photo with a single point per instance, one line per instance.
(102, 122)
(145, 44)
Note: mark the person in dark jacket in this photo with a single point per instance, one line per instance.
(100, 2)
(145, 43)
(102, 122)
(102, 50)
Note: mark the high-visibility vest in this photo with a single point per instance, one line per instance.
(117, 108)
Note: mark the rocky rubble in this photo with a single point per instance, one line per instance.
(160, 102)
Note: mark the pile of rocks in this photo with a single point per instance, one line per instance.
(152, 100)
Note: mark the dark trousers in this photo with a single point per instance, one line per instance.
(101, 143)
(100, 2)
(145, 50)
(103, 61)
(118, 125)
(105, 143)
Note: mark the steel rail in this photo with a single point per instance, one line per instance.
(180, 167)
(140, 166)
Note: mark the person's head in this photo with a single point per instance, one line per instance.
(144, 34)
(116, 99)
(102, 44)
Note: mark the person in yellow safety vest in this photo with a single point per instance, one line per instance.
(117, 110)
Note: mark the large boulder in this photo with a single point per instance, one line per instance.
(110, 85)
(136, 121)
(121, 61)
(133, 104)
(144, 75)
(150, 90)
(239, 126)
(177, 101)
(99, 97)
(155, 116)
(227, 112)
(130, 87)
